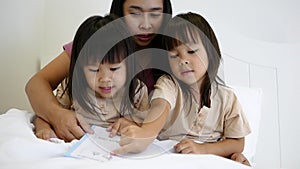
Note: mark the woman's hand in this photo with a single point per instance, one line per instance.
(68, 126)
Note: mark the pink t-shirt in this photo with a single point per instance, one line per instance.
(68, 48)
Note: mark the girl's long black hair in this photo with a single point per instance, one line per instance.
(188, 27)
(100, 40)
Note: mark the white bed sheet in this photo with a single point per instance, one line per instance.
(19, 148)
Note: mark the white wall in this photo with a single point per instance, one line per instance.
(62, 19)
(268, 30)
(20, 46)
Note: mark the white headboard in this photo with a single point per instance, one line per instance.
(239, 72)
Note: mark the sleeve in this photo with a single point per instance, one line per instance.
(236, 123)
(166, 88)
(141, 103)
(68, 48)
(141, 100)
(62, 95)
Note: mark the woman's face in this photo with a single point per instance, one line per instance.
(143, 18)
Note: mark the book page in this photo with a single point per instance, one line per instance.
(98, 146)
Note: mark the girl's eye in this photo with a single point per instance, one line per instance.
(114, 68)
(173, 56)
(94, 70)
(192, 51)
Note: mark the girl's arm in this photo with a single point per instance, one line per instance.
(39, 90)
(224, 148)
(135, 139)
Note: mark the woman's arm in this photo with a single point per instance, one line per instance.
(39, 90)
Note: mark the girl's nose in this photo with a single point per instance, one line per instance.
(183, 62)
(105, 76)
(104, 79)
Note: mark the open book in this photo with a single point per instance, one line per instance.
(98, 146)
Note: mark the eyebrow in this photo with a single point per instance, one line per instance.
(141, 9)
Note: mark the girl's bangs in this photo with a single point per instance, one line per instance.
(183, 33)
(116, 54)
(94, 53)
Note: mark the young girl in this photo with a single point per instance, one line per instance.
(99, 88)
(144, 18)
(206, 117)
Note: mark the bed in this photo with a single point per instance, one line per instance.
(19, 148)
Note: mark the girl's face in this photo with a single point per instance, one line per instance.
(105, 79)
(143, 18)
(189, 62)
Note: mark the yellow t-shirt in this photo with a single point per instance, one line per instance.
(224, 119)
(107, 111)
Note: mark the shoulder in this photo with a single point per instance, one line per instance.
(227, 100)
(166, 80)
(166, 88)
(68, 48)
(224, 93)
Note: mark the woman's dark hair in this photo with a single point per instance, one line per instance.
(100, 40)
(189, 27)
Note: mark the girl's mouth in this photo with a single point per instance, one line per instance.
(186, 72)
(105, 89)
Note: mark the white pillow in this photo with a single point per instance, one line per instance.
(250, 100)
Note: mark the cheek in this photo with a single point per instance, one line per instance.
(131, 24)
(204, 63)
(90, 79)
(120, 77)
(173, 65)
(157, 23)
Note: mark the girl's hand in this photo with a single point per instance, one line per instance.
(121, 123)
(43, 129)
(134, 139)
(188, 146)
(239, 157)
